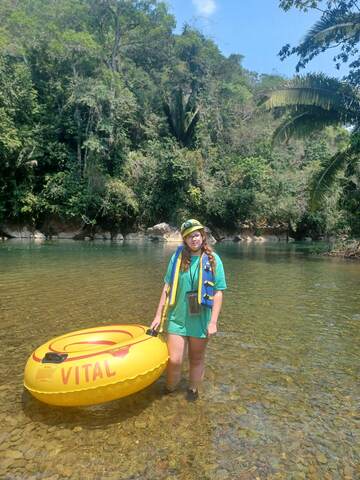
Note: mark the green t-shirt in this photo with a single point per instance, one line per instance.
(180, 321)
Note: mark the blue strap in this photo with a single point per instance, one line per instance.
(207, 282)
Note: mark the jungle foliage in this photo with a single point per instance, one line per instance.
(109, 118)
(314, 102)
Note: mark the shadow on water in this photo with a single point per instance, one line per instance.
(91, 417)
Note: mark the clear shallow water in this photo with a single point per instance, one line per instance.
(281, 392)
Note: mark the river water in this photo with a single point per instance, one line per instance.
(281, 392)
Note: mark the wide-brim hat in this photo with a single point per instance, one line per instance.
(190, 226)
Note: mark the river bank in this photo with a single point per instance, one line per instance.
(349, 248)
(163, 232)
(159, 232)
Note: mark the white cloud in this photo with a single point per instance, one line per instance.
(205, 7)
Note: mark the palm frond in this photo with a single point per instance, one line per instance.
(168, 113)
(192, 119)
(333, 26)
(304, 121)
(316, 90)
(179, 112)
(183, 115)
(326, 176)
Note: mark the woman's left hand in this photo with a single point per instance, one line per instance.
(212, 329)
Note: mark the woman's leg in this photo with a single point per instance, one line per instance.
(197, 347)
(176, 345)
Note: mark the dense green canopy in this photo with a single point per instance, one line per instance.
(108, 118)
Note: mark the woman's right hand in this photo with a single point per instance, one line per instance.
(155, 323)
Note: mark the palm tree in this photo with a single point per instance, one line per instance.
(333, 27)
(183, 115)
(311, 103)
(338, 27)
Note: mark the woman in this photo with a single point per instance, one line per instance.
(194, 282)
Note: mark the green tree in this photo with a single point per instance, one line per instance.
(119, 207)
(85, 137)
(18, 115)
(339, 26)
(312, 103)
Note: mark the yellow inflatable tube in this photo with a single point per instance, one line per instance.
(95, 365)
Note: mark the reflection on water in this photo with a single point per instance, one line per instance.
(279, 398)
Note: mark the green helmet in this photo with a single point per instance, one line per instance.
(190, 226)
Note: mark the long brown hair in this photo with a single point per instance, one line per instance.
(205, 248)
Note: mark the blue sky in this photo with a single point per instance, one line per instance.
(256, 29)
